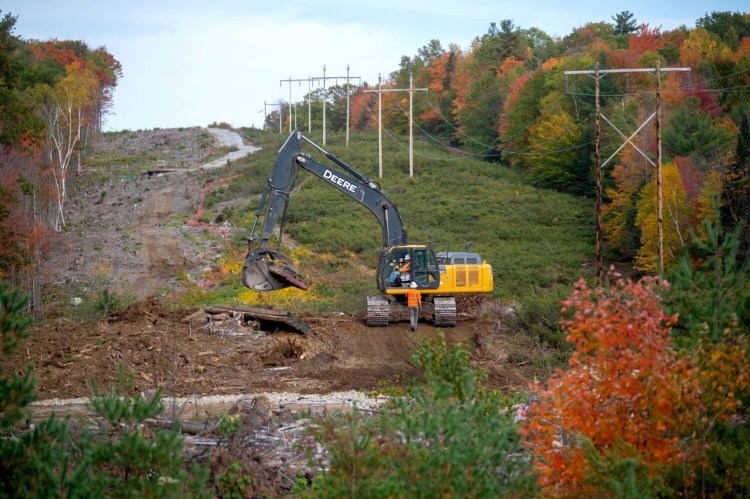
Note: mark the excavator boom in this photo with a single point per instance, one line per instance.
(265, 268)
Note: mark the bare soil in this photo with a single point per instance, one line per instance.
(132, 232)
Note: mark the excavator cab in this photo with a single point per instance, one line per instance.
(400, 265)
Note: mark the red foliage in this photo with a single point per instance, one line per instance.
(692, 178)
(628, 394)
(54, 51)
(620, 392)
(515, 90)
(709, 101)
(648, 40)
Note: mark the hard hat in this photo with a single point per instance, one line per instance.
(413, 284)
(407, 257)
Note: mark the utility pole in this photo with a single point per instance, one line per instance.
(598, 209)
(265, 113)
(628, 140)
(659, 205)
(336, 79)
(309, 105)
(289, 81)
(411, 91)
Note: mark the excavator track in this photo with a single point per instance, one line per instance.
(445, 311)
(378, 311)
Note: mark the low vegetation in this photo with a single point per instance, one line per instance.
(538, 242)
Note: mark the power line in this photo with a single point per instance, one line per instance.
(411, 91)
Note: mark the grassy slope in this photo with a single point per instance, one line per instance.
(539, 242)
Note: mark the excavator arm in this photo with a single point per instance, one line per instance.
(267, 269)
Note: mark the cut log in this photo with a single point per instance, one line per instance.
(265, 314)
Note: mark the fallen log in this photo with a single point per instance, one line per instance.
(265, 314)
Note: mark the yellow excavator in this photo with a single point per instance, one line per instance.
(439, 277)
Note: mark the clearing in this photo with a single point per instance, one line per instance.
(134, 231)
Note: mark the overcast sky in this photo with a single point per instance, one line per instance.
(192, 62)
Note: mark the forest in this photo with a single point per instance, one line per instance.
(507, 99)
(651, 397)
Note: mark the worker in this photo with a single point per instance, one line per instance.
(414, 302)
(402, 273)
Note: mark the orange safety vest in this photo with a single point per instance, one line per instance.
(413, 297)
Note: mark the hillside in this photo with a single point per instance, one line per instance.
(137, 238)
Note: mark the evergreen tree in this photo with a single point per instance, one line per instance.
(120, 459)
(624, 23)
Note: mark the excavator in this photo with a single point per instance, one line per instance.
(439, 277)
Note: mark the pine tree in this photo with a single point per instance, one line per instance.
(624, 23)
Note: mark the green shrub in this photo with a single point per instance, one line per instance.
(50, 459)
(447, 437)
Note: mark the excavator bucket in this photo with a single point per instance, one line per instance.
(269, 270)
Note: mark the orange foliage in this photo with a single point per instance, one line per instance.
(648, 40)
(54, 51)
(515, 88)
(509, 64)
(698, 47)
(744, 49)
(438, 73)
(629, 176)
(628, 394)
(620, 392)
(467, 72)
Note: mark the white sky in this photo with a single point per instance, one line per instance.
(192, 62)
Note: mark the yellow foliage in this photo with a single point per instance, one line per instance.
(698, 46)
(677, 219)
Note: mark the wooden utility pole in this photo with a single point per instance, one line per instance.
(659, 217)
(598, 154)
(411, 91)
(336, 78)
(628, 140)
(265, 113)
(289, 81)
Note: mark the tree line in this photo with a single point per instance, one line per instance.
(54, 96)
(506, 98)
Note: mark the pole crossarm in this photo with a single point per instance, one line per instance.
(289, 81)
(626, 70)
(336, 79)
(396, 90)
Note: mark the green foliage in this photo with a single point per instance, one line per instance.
(13, 322)
(625, 23)
(621, 477)
(121, 458)
(712, 292)
(447, 437)
(233, 483)
(692, 131)
(125, 457)
(228, 425)
(108, 302)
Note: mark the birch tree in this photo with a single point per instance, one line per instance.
(63, 108)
